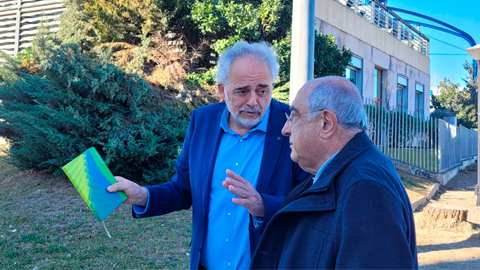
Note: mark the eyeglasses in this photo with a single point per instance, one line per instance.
(288, 118)
(292, 116)
(299, 115)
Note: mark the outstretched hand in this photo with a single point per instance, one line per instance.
(135, 194)
(248, 196)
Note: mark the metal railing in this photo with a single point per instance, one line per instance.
(456, 144)
(385, 19)
(432, 144)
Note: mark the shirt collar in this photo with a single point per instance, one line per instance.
(262, 126)
(317, 176)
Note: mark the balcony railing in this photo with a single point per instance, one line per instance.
(385, 19)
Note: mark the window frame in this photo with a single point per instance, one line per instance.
(356, 64)
(419, 99)
(378, 84)
(402, 88)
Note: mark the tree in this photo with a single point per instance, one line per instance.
(329, 60)
(471, 85)
(457, 100)
(117, 20)
(205, 28)
(226, 22)
(76, 26)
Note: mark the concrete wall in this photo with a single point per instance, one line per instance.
(442, 178)
(378, 49)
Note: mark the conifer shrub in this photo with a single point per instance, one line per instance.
(282, 93)
(74, 102)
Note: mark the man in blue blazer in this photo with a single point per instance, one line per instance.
(234, 169)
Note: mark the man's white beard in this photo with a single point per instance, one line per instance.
(250, 122)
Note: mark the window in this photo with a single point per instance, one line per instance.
(419, 102)
(353, 72)
(378, 85)
(402, 94)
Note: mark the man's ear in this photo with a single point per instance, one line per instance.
(328, 124)
(221, 90)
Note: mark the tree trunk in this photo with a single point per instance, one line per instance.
(442, 211)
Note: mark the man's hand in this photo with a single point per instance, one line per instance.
(248, 195)
(136, 194)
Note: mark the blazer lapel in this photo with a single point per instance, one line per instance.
(210, 156)
(273, 146)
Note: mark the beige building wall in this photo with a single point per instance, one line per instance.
(377, 49)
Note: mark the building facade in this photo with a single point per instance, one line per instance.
(390, 63)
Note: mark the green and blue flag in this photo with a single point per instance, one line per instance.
(91, 177)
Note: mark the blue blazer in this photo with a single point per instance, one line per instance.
(190, 186)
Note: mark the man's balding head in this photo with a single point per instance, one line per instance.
(340, 96)
(325, 115)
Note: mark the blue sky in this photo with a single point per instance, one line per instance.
(461, 14)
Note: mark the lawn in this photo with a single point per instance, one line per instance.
(423, 158)
(44, 223)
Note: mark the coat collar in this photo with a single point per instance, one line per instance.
(356, 146)
(324, 187)
(273, 145)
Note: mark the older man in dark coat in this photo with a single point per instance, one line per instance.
(356, 214)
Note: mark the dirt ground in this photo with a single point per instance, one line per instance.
(416, 187)
(447, 244)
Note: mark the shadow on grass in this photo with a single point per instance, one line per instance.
(5, 167)
(409, 183)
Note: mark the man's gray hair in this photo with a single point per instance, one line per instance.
(340, 96)
(261, 51)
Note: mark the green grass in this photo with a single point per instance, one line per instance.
(44, 223)
(408, 183)
(421, 158)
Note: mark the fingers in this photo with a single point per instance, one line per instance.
(238, 188)
(242, 193)
(248, 196)
(242, 202)
(123, 184)
(236, 176)
(238, 185)
(113, 188)
(236, 180)
(118, 186)
(120, 179)
(255, 207)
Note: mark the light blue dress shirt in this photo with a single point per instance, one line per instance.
(317, 176)
(227, 241)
